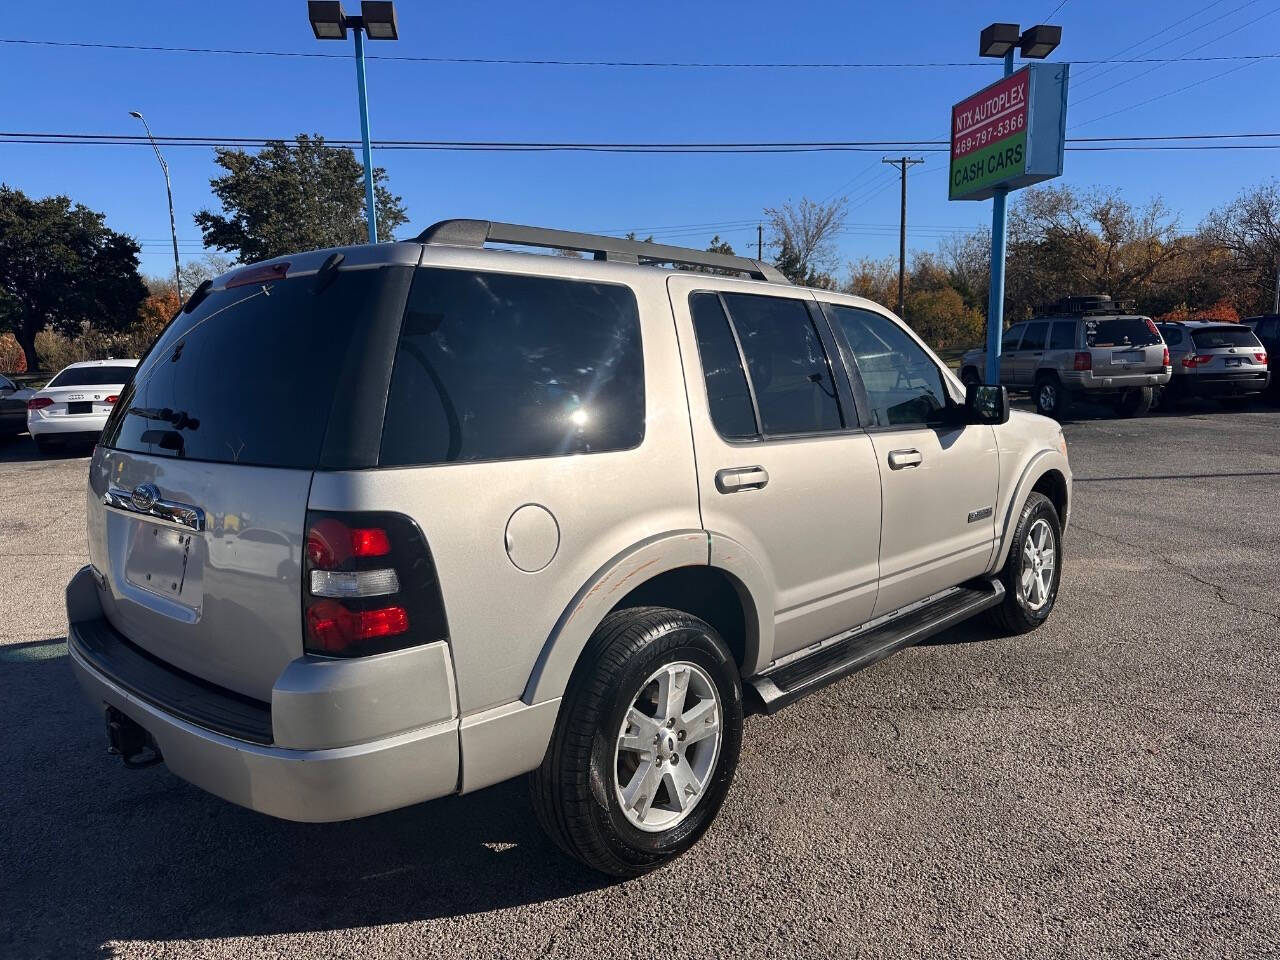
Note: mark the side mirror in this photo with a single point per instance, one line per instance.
(985, 403)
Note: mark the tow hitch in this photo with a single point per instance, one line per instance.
(130, 741)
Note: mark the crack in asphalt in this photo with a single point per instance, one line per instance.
(1218, 589)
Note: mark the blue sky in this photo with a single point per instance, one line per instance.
(86, 90)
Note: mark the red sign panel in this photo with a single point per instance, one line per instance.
(997, 112)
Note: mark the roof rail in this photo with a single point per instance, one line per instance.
(476, 233)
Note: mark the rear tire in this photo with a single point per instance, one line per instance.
(1051, 399)
(1030, 584)
(1134, 402)
(673, 788)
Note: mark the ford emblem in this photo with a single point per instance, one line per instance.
(144, 497)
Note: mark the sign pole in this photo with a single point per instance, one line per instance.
(370, 211)
(999, 243)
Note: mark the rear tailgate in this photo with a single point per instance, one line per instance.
(198, 490)
(1228, 350)
(1124, 345)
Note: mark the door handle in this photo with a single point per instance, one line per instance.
(732, 479)
(900, 459)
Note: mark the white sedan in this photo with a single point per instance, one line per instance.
(73, 406)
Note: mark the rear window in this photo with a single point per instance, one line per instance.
(1120, 332)
(498, 366)
(250, 375)
(92, 376)
(1219, 338)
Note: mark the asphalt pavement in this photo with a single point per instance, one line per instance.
(1105, 787)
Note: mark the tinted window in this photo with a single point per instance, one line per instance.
(1120, 332)
(1034, 338)
(1063, 335)
(495, 366)
(91, 376)
(788, 366)
(1011, 338)
(250, 375)
(903, 384)
(727, 393)
(1172, 335)
(1268, 328)
(1219, 338)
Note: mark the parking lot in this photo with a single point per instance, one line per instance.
(1106, 786)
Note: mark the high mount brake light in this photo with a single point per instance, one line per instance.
(39, 403)
(262, 273)
(369, 585)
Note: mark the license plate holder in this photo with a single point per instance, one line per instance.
(1128, 356)
(79, 406)
(159, 560)
(1235, 361)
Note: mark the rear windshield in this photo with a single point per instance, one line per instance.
(250, 375)
(92, 376)
(1219, 338)
(1120, 332)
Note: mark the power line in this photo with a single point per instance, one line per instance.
(532, 62)
(1150, 37)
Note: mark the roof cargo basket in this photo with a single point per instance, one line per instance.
(1093, 303)
(476, 233)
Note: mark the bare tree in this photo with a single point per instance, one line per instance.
(1248, 231)
(804, 236)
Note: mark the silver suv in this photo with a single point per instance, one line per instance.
(1222, 360)
(381, 524)
(1082, 347)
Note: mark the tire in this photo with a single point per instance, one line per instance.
(1134, 402)
(576, 791)
(1022, 610)
(1051, 399)
(969, 376)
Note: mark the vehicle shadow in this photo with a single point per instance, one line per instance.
(99, 853)
(22, 449)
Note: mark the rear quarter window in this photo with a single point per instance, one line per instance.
(497, 366)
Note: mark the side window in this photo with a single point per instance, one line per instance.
(903, 384)
(790, 374)
(1172, 335)
(1034, 338)
(499, 366)
(1011, 338)
(727, 393)
(1063, 335)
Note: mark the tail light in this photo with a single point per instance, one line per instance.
(39, 403)
(1191, 361)
(1084, 360)
(1165, 361)
(113, 398)
(1260, 357)
(369, 585)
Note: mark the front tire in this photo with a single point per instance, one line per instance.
(646, 743)
(1034, 569)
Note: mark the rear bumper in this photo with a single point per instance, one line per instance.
(1220, 385)
(1086, 382)
(309, 783)
(88, 425)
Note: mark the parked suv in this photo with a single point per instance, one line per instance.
(471, 513)
(1082, 347)
(1267, 329)
(1223, 360)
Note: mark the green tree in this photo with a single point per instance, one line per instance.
(297, 196)
(61, 267)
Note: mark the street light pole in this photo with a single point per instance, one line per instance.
(999, 244)
(168, 189)
(378, 20)
(365, 145)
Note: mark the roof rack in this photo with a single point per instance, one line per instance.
(476, 233)
(1093, 304)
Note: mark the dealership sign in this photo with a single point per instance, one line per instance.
(1011, 134)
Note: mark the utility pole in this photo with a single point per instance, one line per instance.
(173, 227)
(759, 241)
(902, 163)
